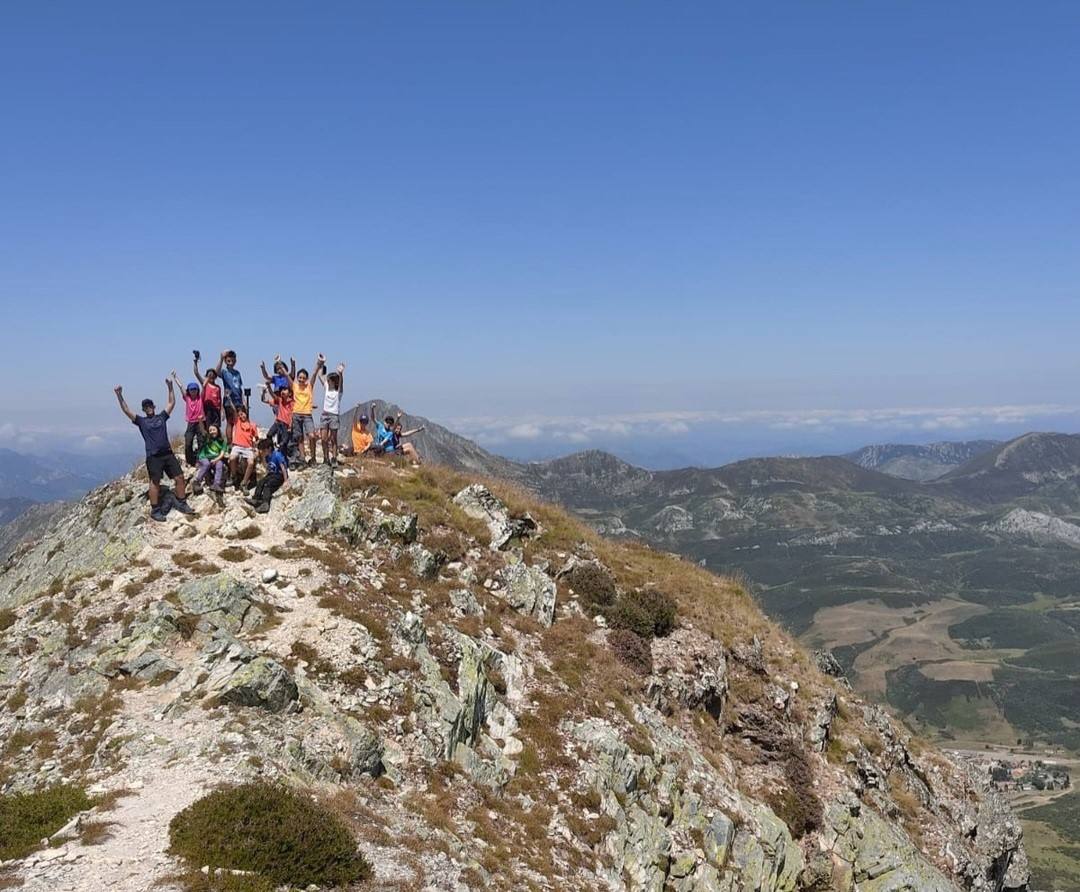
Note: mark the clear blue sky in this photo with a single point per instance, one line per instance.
(541, 213)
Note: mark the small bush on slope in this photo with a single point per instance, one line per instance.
(592, 583)
(27, 818)
(632, 650)
(276, 833)
(648, 613)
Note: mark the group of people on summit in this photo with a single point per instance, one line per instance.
(231, 453)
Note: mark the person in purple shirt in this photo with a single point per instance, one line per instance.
(159, 455)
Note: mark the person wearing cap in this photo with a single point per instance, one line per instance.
(195, 416)
(361, 439)
(159, 455)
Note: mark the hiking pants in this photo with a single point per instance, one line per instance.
(266, 488)
(194, 437)
(204, 471)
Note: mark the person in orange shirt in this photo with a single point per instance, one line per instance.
(361, 439)
(244, 435)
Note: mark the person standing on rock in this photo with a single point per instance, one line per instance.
(233, 396)
(160, 459)
(303, 426)
(211, 392)
(330, 420)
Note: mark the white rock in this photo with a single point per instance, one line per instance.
(269, 574)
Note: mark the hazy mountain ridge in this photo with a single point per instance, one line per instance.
(919, 462)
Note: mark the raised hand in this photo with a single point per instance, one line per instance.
(341, 366)
(168, 382)
(119, 390)
(320, 358)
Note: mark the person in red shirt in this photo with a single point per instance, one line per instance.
(244, 436)
(211, 393)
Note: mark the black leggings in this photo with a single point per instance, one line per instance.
(266, 488)
(282, 433)
(194, 440)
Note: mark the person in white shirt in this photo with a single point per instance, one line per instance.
(330, 421)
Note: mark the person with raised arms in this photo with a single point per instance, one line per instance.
(160, 459)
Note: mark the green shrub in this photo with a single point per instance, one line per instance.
(276, 833)
(660, 609)
(592, 582)
(27, 818)
(630, 617)
(7, 618)
(648, 613)
(631, 649)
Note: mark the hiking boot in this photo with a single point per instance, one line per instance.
(254, 503)
(158, 515)
(183, 507)
(196, 489)
(217, 488)
(262, 508)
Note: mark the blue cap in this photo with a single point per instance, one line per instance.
(191, 385)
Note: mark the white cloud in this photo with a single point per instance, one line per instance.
(586, 429)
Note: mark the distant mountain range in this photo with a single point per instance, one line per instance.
(919, 462)
(56, 476)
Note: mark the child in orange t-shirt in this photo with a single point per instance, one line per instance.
(244, 435)
(361, 439)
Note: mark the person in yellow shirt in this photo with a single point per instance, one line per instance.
(303, 425)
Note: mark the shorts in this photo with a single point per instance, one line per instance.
(247, 452)
(329, 422)
(166, 463)
(302, 426)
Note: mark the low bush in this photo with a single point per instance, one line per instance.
(647, 613)
(658, 607)
(631, 649)
(7, 618)
(276, 833)
(592, 582)
(797, 805)
(27, 818)
(233, 554)
(629, 616)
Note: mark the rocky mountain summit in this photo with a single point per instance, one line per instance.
(486, 692)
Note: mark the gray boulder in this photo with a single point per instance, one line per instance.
(478, 502)
(220, 602)
(531, 591)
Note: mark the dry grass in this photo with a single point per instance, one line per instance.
(234, 554)
(193, 563)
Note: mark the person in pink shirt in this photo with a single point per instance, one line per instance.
(195, 415)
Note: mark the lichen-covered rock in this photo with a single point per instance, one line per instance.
(425, 564)
(143, 653)
(881, 857)
(393, 526)
(689, 671)
(228, 671)
(320, 508)
(821, 722)
(464, 602)
(103, 531)
(478, 503)
(531, 591)
(220, 602)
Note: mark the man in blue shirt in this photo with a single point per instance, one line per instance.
(232, 389)
(277, 474)
(160, 459)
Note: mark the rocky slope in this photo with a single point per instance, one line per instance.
(411, 648)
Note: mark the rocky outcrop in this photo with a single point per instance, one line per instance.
(531, 591)
(478, 503)
(511, 746)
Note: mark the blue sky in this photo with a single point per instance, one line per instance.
(530, 218)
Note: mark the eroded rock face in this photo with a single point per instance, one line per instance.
(230, 672)
(478, 503)
(531, 591)
(689, 671)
